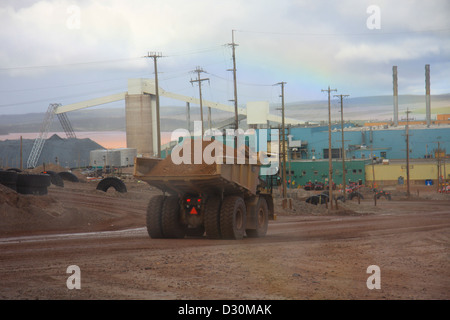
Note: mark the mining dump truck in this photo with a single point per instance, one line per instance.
(225, 201)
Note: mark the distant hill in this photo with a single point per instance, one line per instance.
(69, 152)
(355, 108)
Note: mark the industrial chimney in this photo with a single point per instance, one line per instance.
(427, 92)
(394, 75)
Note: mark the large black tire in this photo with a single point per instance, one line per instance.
(387, 196)
(9, 179)
(39, 191)
(212, 218)
(154, 215)
(33, 183)
(233, 217)
(170, 222)
(355, 195)
(33, 180)
(262, 220)
(55, 178)
(312, 200)
(116, 183)
(69, 176)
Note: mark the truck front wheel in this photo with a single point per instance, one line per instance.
(233, 216)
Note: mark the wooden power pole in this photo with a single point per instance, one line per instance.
(283, 140)
(155, 56)
(330, 164)
(233, 46)
(343, 146)
(408, 191)
(199, 71)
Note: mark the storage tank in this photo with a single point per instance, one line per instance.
(103, 157)
(127, 156)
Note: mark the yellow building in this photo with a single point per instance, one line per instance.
(420, 171)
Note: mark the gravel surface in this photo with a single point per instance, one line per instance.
(307, 253)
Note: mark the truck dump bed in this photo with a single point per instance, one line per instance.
(198, 178)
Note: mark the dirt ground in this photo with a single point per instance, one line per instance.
(308, 252)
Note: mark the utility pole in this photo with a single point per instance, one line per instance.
(283, 140)
(21, 157)
(438, 158)
(343, 146)
(188, 116)
(289, 156)
(330, 164)
(233, 46)
(407, 153)
(199, 71)
(155, 56)
(373, 166)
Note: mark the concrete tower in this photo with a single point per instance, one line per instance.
(427, 94)
(394, 76)
(140, 113)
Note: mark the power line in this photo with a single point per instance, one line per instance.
(242, 83)
(54, 98)
(63, 86)
(364, 34)
(210, 49)
(67, 64)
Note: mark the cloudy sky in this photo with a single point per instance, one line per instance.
(62, 51)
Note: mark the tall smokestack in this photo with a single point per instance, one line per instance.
(394, 76)
(427, 97)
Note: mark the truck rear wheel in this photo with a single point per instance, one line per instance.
(233, 216)
(262, 220)
(171, 222)
(212, 218)
(154, 214)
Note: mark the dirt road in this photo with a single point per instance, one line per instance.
(303, 256)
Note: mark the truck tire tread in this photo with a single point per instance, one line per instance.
(154, 214)
(262, 220)
(170, 222)
(233, 218)
(212, 218)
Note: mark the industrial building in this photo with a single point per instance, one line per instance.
(362, 142)
(121, 157)
(302, 172)
(308, 157)
(421, 172)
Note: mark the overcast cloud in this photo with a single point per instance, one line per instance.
(68, 51)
